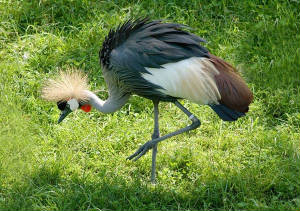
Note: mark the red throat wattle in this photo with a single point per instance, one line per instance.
(86, 108)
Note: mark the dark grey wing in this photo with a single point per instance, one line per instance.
(152, 45)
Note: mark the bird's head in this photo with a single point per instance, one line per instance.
(68, 90)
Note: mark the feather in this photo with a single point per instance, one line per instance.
(226, 113)
(235, 93)
(161, 42)
(192, 79)
(67, 85)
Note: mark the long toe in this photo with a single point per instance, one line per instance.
(141, 151)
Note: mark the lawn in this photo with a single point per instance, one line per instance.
(80, 164)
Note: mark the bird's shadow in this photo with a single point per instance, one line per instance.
(49, 187)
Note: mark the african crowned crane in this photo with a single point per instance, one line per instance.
(161, 62)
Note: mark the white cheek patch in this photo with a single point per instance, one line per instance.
(73, 104)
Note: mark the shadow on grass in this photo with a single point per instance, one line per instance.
(47, 189)
(271, 60)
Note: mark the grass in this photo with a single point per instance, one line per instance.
(251, 164)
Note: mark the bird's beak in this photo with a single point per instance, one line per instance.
(63, 114)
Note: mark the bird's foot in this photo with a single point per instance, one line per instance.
(142, 150)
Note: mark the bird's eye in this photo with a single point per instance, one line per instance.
(61, 105)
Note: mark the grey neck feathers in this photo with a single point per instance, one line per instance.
(110, 105)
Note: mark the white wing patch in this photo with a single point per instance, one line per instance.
(192, 79)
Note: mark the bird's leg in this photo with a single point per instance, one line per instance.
(155, 135)
(143, 149)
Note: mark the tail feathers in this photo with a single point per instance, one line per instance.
(234, 92)
(226, 113)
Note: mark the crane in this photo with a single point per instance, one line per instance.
(159, 61)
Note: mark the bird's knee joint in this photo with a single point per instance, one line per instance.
(195, 122)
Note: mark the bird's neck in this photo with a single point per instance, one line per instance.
(110, 105)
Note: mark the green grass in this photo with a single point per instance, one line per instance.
(251, 164)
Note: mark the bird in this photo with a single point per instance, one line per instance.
(159, 61)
